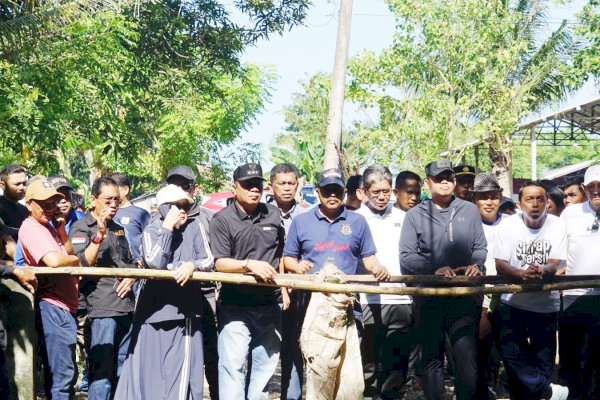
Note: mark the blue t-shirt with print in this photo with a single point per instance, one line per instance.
(314, 239)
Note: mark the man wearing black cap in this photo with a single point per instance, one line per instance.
(247, 237)
(443, 236)
(184, 177)
(465, 177)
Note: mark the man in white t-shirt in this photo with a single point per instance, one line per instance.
(579, 339)
(386, 342)
(487, 194)
(530, 246)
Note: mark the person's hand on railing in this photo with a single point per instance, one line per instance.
(381, 273)
(26, 278)
(446, 272)
(303, 267)
(472, 270)
(124, 287)
(184, 273)
(533, 272)
(262, 269)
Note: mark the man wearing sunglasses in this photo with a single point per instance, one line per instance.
(184, 177)
(101, 242)
(443, 236)
(329, 231)
(247, 237)
(44, 242)
(579, 337)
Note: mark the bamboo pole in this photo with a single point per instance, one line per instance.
(304, 282)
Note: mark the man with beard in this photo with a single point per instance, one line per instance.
(13, 182)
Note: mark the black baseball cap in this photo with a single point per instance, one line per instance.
(331, 176)
(59, 182)
(182, 170)
(248, 171)
(435, 168)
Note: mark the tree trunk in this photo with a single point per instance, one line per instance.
(500, 151)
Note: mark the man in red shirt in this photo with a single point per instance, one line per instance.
(44, 242)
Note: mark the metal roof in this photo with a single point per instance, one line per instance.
(575, 124)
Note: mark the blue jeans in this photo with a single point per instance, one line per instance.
(108, 349)
(292, 362)
(58, 338)
(527, 343)
(248, 333)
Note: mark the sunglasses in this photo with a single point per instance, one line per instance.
(596, 223)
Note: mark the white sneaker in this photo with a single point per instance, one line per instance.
(559, 392)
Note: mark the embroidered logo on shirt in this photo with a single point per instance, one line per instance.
(120, 232)
(267, 228)
(346, 230)
(125, 221)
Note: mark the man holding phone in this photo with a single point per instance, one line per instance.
(101, 242)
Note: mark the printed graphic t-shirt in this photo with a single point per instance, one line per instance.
(521, 247)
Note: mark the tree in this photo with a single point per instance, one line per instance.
(303, 141)
(461, 72)
(587, 58)
(134, 86)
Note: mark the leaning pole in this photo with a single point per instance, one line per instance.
(333, 140)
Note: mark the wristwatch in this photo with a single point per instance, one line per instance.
(245, 265)
(97, 239)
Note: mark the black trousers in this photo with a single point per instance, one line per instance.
(579, 347)
(385, 348)
(434, 318)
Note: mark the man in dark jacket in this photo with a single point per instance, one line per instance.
(443, 236)
(165, 359)
(185, 178)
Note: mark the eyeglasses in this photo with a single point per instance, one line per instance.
(443, 177)
(251, 184)
(183, 206)
(377, 193)
(596, 223)
(47, 205)
(108, 200)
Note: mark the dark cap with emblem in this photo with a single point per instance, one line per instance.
(59, 182)
(464, 170)
(182, 170)
(248, 171)
(486, 183)
(435, 168)
(331, 176)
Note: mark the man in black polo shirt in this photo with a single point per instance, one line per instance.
(101, 242)
(13, 181)
(247, 237)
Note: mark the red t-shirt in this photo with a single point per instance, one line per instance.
(37, 240)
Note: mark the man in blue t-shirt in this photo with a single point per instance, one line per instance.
(329, 231)
(132, 218)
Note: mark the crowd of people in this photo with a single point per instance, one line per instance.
(157, 339)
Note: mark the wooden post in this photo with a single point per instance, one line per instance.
(18, 317)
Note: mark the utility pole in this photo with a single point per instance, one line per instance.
(333, 140)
